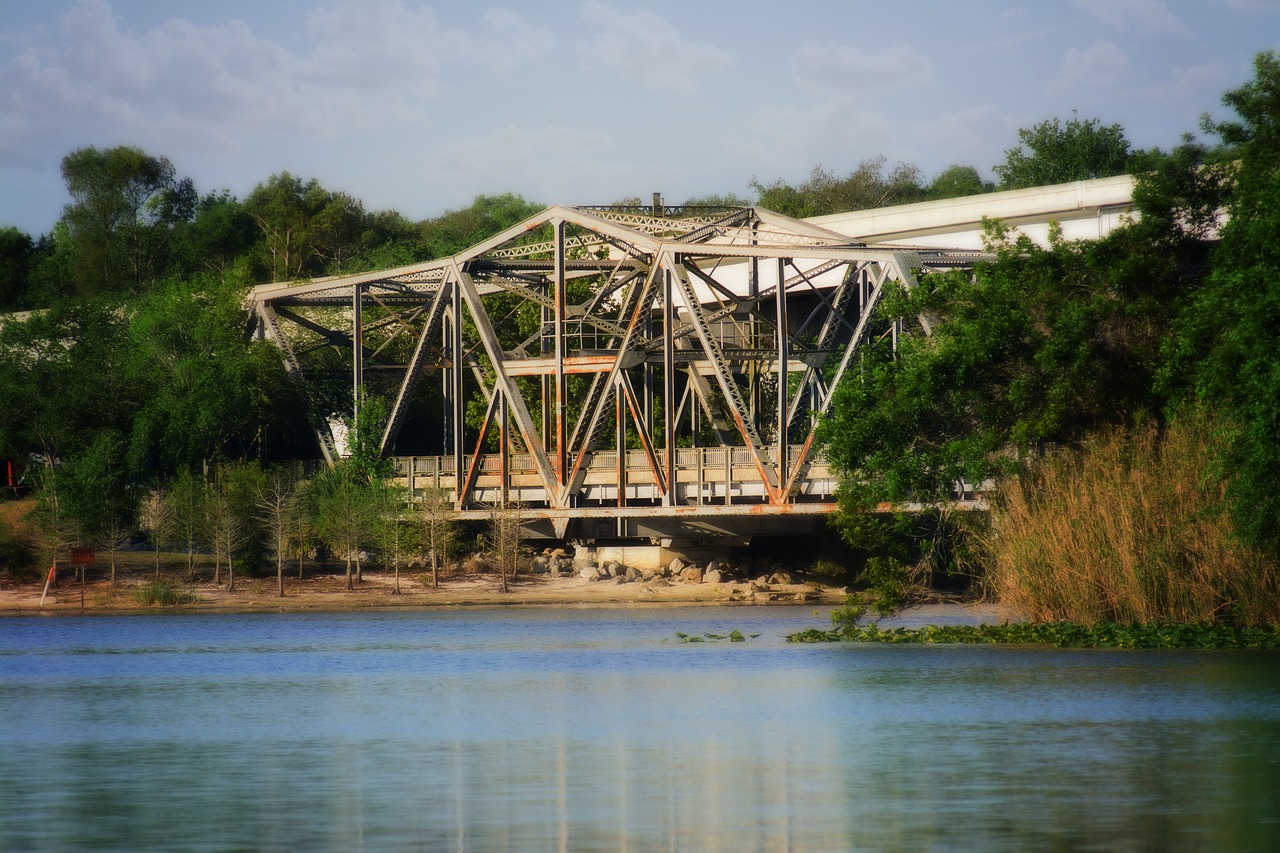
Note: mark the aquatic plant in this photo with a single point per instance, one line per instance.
(1060, 634)
(163, 593)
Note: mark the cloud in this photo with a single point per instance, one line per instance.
(515, 41)
(1187, 83)
(1136, 16)
(553, 164)
(643, 48)
(842, 68)
(208, 87)
(1100, 65)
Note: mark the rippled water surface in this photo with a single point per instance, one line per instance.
(580, 729)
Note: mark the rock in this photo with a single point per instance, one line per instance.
(611, 568)
(539, 566)
(633, 574)
(559, 552)
(620, 579)
(693, 574)
(657, 582)
(783, 578)
(713, 576)
(675, 567)
(590, 573)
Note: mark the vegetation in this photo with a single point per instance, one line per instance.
(1118, 398)
(1060, 634)
(162, 593)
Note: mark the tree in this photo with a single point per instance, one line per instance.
(234, 523)
(96, 491)
(125, 204)
(1228, 339)
(344, 512)
(439, 529)
(17, 253)
(1053, 153)
(867, 186)
(157, 517)
(455, 230)
(395, 526)
(191, 507)
(506, 533)
(277, 509)
(957, 181)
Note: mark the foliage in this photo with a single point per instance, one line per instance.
(17, 255)
(1129, 528)
(1060, 634)
(1053, 153)
(439, 529)
(456, 230)
(162, 593)
(825, 192)
(125, 204)
(957, 181)
(1226, 341)
(734, 636)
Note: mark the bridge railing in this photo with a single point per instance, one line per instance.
(703, 476)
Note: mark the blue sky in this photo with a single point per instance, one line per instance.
(422, 106)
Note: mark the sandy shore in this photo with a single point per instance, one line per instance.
(329, 593)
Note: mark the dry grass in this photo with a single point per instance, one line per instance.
(1129, 529)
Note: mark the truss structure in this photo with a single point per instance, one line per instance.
(589, 330)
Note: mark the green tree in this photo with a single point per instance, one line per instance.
(276, 511)
(191, 507)
(125, 204)
(1054, 153)
(439, 529)
(957, 181)
(17, 254)
(1228, 339)
(455, 230)
(825, 192)
(97, 492)
(157, 517)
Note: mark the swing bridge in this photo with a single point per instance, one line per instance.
(610, 373)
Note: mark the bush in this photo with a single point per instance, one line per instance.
(1130, 529)
(163, 593)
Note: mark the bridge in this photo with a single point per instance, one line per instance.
(644, 373)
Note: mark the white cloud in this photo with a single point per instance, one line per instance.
(553, 164)
(370, 63)
(514, 40)
(1101, 65)
(643, 48)
(1189, 82)
(846, 69)
(1136, 16)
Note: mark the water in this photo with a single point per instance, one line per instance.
(578, 729)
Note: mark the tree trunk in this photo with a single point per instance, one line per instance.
(231, 574)
(349, 584)
(157, 561)
(435, 569)
(280, 574)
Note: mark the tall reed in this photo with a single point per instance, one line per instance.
(1131, 528)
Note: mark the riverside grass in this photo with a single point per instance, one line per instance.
(1059, 634)
(1129, 530)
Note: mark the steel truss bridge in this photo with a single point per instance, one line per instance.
(615, 373)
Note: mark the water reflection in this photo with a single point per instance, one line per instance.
(578, 730)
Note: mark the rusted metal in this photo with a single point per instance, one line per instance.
(738, 321)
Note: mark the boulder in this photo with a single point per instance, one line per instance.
(783, 578)
(713, 576)
(539, 566)
(675, 567)
(693, 574)
(590, 573)
(611, 568)
(633, 574)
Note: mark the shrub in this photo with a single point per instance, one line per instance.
(1129, 529)
(163, 593)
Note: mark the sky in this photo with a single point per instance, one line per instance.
(420, 107)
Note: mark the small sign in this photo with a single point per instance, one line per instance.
(82, 557)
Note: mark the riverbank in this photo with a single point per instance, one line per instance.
(328, 592)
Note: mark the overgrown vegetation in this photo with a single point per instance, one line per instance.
(1118, 398)
(162, 593)
(1060, 634)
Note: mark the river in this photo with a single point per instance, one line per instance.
(530, 729)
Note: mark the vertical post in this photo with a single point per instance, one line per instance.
(669, 385)
(504, 449)
(561, 458)
(620, 426)
(357, 352)
(459, 409)
(782, 373)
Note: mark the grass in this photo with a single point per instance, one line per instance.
(1131, 529)
(162, 593)
(1060, 634)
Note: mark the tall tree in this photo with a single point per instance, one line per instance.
(276, 510)
(17, 253)
(1054, 153)
(868, 186)
(1229, 338)
(125, 204)
(957, 181)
